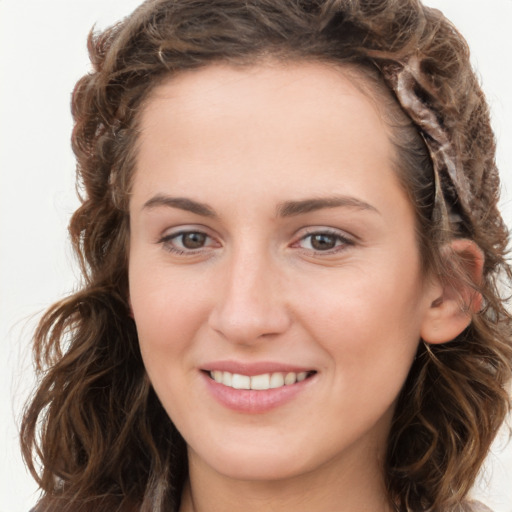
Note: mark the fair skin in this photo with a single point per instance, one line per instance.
(270, 235)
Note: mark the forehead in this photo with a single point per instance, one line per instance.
(283, 97)
(288, 126)
(313, 82)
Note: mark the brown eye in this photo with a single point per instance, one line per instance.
(323, 241)
(328, 242)
(190, 243)
(193, 240)
(187, 242)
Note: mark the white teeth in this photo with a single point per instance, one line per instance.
(276, 380)
(260, 381)
(301, 376)
(291, 378)
(241, 381)
(257, 382)
(227, 379)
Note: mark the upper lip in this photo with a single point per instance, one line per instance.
(254, 368)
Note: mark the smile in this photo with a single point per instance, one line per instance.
(261, 382)
(258, 388)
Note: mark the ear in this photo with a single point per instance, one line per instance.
(454, 298)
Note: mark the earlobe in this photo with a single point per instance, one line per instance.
(454, 296)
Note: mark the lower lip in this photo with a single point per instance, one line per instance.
(252, 401)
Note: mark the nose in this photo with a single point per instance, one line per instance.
(250, 304)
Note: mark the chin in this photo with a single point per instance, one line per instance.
(258, 465)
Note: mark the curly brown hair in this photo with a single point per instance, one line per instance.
(94, 425)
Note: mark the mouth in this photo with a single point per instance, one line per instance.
(262, 382)
(258, 387)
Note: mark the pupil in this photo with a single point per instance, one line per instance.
(193, 240)
(323, 242)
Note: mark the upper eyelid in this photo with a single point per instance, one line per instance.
(314, 230)
(171, 231)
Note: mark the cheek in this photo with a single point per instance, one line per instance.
(168, 311)
(167, 317)
(369, 320)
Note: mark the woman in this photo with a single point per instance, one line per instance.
(291, 250)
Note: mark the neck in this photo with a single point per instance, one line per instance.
(354, 486)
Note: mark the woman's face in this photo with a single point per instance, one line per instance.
(272, 248)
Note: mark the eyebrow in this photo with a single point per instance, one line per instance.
(181, 203)
(292, 208)
(285, 209)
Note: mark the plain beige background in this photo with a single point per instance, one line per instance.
(42, 54)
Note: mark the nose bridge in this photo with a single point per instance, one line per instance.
(250, 303)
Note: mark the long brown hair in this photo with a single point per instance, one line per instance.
(94, 425)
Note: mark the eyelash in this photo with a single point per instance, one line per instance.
(341, 242)
(168, 242)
